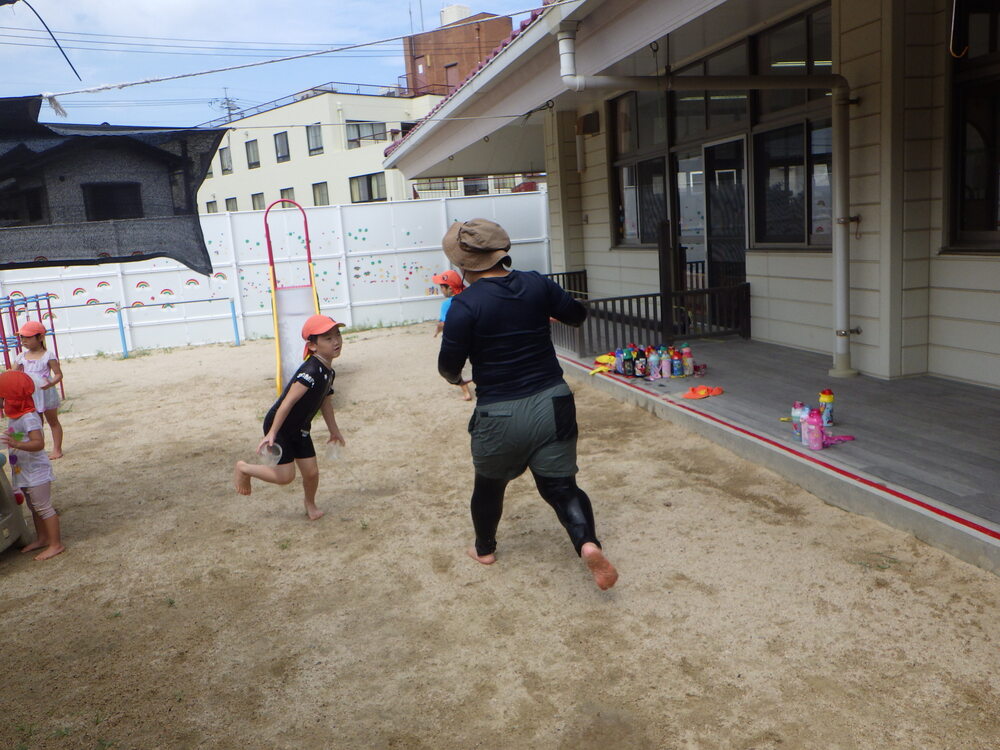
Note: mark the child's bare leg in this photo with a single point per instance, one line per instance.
(52, 417)
(310, 483)
(55, 542)
(242, 473)
(41, 537)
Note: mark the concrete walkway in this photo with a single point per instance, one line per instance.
(926, 454)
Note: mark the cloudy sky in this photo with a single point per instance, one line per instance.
(116, 41)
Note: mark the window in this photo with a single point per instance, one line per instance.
(257, 201)
(475, 186)
(211, 207)
(437, 183)
(698, 112)
(504, 183)
(231, 204)
(799, 47)
(104, 201)
(364, 133)
(226, 160)
(640, 123)
(281, 146)
(288, 194)
(314, 137)
(368, 187)
(792, 188)
(321, 195)
(208, 172)
(253, 156)
(975, 209)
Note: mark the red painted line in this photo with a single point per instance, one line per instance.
(806, 457)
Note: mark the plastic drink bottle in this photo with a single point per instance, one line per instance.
(665, 363)
(653, 364)
(640, 363)
(814, 431)
(826, 406)
(618, 360)
(797, 421)
(688, 359)
(803, 416)
(628, 364)
(676, 365)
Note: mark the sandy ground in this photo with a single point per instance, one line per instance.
(748, 615)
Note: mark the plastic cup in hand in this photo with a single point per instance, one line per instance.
(270, 455)
(333, 451)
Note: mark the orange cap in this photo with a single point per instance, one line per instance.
(451, 278)
(15, 389)
(316, 325)
(31, 328)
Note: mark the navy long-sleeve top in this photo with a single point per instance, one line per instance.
(501, 324)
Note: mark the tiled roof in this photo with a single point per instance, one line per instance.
(535, 14)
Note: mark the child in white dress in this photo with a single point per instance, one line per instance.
(44, 369)
(30, 467)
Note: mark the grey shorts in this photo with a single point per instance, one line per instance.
(537, 431)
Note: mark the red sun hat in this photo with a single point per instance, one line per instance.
(31, 328)
(451, 278)
(16, 388)
(317, 325)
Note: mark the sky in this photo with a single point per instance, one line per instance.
(117, 41)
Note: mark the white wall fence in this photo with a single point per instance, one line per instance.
(373, 265)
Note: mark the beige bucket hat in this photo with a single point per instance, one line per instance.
(476, 244)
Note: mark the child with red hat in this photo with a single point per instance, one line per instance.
(31, 471)
(451, 284)
(288, 422)
(43, 367)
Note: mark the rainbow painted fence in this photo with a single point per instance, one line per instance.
(373, 265)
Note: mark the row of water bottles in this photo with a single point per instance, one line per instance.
(809, 425)
(654, 363)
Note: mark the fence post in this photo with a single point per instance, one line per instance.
(121, 331)
(236, 327)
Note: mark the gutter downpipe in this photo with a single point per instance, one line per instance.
(840, 90)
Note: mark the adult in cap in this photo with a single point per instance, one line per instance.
(525, 416)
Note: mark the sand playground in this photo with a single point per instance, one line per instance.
(749, 614)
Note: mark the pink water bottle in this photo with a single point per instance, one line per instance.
(814, 431)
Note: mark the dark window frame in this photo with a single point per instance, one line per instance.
(365, 184)
(975, 82)
(252, 145)
(101, 205)
(314, 139)
(362, 132)
(282, 155)
(638, 155)
(225, 160)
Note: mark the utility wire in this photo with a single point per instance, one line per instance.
(68, 62)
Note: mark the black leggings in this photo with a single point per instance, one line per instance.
(571, 504)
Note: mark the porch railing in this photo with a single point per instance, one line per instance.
(639, 318)
(574, 282)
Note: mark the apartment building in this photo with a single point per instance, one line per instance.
(318, 147)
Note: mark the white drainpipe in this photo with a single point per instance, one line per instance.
(840, 89)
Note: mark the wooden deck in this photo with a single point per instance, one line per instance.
(928, 436)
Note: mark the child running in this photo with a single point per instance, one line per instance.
(288, 421)
(32, 472)
(451, 284)
(44, 369)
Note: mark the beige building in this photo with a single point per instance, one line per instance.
(318, 147)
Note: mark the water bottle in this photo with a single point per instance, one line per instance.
(797, 421)
(665, 366)
(688, 359)
(628, 364)
(814, 432)
(676, 365)
(640, 363)
(618, 360)
(653, 364)
(803, 416)
(826, 406)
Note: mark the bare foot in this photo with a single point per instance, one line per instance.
(600, 567)
(51, 551)
(37, 544)
(314, 513)
(241, 480)
(54, 455)
(484, 559)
